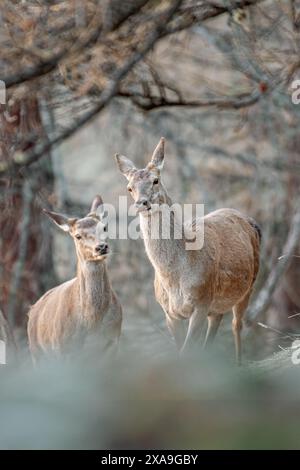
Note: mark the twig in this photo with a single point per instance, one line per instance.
(283, 335)
(295, 315)
(153, 103)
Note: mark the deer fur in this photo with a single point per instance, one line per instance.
(199, 285)
(84, 305)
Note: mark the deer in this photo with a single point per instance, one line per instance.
(199, 285)
(85, 305)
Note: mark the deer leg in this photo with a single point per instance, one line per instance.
(177, 330)
(212, 328)
(237, 324)
(196, 323)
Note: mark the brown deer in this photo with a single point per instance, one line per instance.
(84, 305)
(201, 284)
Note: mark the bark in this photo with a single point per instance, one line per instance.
(25, 247)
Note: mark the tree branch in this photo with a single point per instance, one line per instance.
(264, 298)
(107, 94)
(190, 15)
(154, 103)
(49, 65)
(203, 11)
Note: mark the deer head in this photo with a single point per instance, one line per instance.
(145, 185)
(89, 233)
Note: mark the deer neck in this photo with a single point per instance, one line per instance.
(165, 254)
(94, 289)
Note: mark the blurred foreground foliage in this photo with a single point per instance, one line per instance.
(135, 401)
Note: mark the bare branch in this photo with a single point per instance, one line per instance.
(198, 12)
(264, 298)
(153, 103)
(46, 66)
(107, 94)
(49, 65)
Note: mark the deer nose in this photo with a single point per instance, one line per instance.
(142, 203)
(102, 248)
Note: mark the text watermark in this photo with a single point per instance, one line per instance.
(2, 352)
(296, 93)
(160, 221)
(2, 92)
(296, 352)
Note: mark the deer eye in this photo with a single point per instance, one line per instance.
(105, 228)
(130, 190)
(155, 181)
(79, 237)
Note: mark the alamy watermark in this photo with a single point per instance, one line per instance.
(2, 92)
(296, 352)
(2, 352)
(296, 93)
(160, 221)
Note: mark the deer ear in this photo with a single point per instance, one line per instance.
(97, 207)
(97, 203)
(125, 165)
(62, 221)
(157, 160)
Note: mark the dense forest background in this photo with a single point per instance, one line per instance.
(85, 80)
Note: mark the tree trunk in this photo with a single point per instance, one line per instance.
(26, 267)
